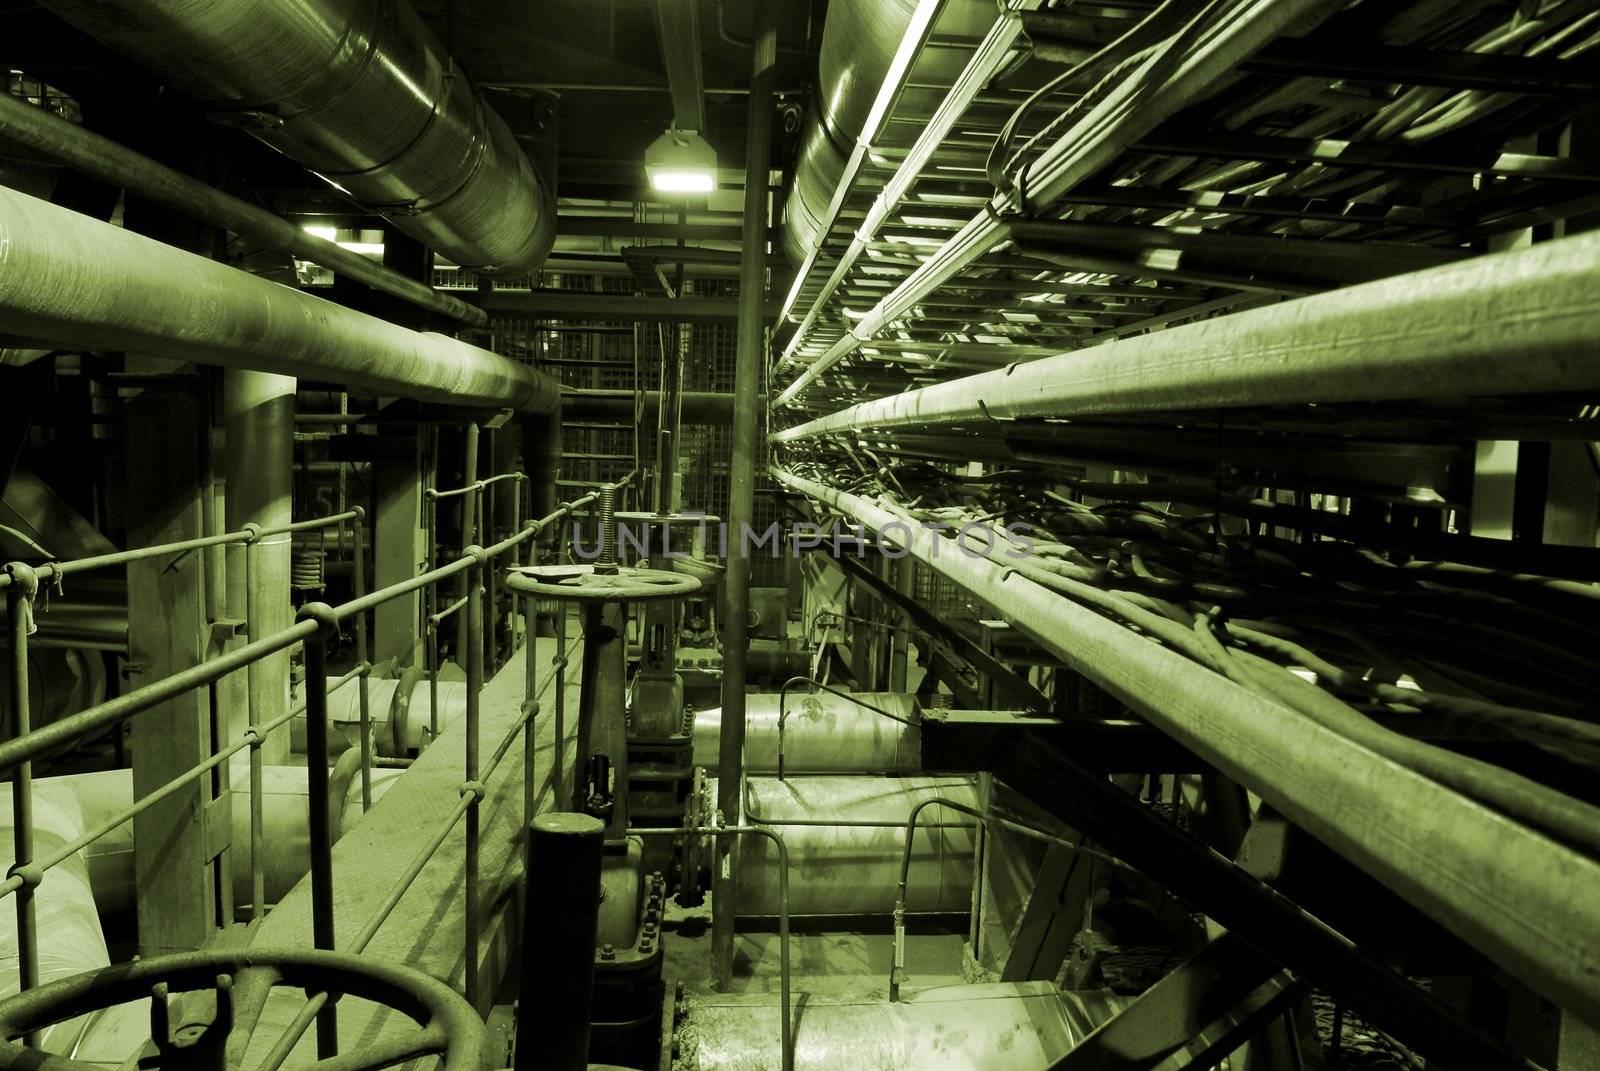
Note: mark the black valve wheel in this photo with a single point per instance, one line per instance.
(241, 980)
(584, 583)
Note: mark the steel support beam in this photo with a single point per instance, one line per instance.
(750, 364)
(600, 404)
(75, 281)
(1505, 323)
(581, 305)
(1454, 859)
(678, 29)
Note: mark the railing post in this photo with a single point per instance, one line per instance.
(258, 836)
(474, 667)
(19, 605)
(430, 607)
(359, 553)
(558, 770)
(317, 807)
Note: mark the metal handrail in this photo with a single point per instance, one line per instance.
(317, 623)
(250, 533)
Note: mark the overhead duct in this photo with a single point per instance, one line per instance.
(360, 93)
(859, 41)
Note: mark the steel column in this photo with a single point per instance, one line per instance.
(741, 480)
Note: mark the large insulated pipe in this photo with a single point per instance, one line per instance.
(362, 94)
(71, 280)
(859, 41)
(258, 418)
(91, 799)
(822, 733)
(100, 157)
(401, 721)
(991, 1026)
(1518, 322)
(846, 836)
(64, 903)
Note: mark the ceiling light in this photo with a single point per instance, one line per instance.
(681, 161)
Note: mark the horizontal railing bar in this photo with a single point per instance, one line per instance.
(50, 570)
(479, 485)
(115, 711)
(250, 738)
(436, 618)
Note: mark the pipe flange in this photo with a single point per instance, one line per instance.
(582, 583)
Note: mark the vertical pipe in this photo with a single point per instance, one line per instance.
(558, 772)
(902, 573)
(258, 415)
(474, 658)
(469, 533)
(741, 481)
(258, 837)
(316, 656)
(19, 605)
(562, 909)
(357, 529)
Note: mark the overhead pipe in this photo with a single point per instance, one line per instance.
(71, 280)
(1517, 322)
(363, 95)
(1128, 111)
(1449, 856)
(101, 158)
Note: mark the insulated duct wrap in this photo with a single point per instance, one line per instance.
(840, 868)
(859, 41)
(360, 92)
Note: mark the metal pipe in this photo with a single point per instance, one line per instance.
(823, 734)
(473, 656)
(75, 281)
(362, 95)
(562, 909)
(1504, 323)
(19, 604)
(101, 158)
(1450, 857)
(578, 305)
(258, 418)
(741, 478)
(1151, 94)
(317, 802)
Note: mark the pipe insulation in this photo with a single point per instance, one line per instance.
(839, 868)
(823, 733)
(64, 903)
(361, 93)
(410, 735)
(1452, 858)
(991, 1026)
(74, 281)
(1517, 322)
(91, 799)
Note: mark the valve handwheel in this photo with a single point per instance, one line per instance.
(585, 583)
(241, 979)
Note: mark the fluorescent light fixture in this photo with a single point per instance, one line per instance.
(681, 161)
